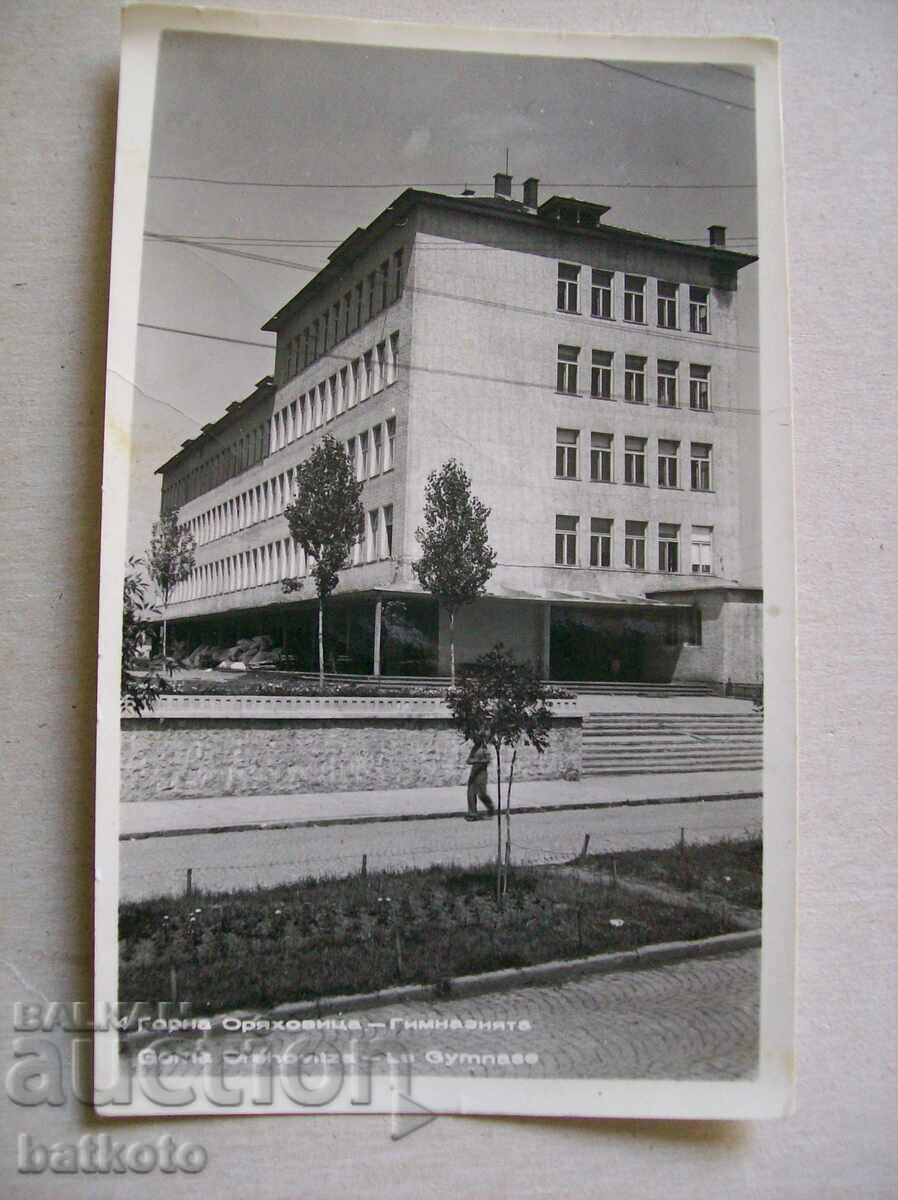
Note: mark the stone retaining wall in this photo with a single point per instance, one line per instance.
(173, 757)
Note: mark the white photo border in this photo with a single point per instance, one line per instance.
(770, 1093)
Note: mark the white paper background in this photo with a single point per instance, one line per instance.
(58, 68)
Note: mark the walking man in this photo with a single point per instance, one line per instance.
(479, 760)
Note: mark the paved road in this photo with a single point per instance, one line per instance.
(228, 860)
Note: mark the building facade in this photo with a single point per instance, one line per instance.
(586, 376)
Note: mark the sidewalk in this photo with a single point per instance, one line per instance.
(234, 813)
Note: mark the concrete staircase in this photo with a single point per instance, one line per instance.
(660, 744)
(656, 691)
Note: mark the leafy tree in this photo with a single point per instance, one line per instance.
(326, 518)
(501, 703)
(456, 557)
(170, 560)
(138, 693)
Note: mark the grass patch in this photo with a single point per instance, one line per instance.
(326, 937)
(730, 869)
(260, 682)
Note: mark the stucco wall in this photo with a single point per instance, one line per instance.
(491, 330)
(173, 758)
(731, 645)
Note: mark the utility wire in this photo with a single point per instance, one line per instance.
(238, 240)
(677, 87)
(212, 337)
(686, 187)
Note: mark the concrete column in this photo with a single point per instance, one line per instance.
(547, 640)
(378, 625)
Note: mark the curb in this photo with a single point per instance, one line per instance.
(492, 981)
(523, 810)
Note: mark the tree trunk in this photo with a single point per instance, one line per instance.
(164, 633)
(321, 642)
(508, 818)
(452, 646)
(498, 827)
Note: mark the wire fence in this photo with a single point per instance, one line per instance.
(567, 848)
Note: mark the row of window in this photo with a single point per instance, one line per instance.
(362, 301)
(601, 546)
(372, 453)
(601, 378)
(602, 286)
(601, 460)
(282, 559)
(361, 379)
(242, 453)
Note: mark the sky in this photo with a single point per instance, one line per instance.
(279, 150)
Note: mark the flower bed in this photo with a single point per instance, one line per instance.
(729, 870)
(315, 938)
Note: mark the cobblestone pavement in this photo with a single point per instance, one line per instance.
(696, 1019)
(690, 1020)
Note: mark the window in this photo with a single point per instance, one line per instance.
(363, 456)
(373, 547)
(669, 548)
(350, 454)
(667, 383)
(347, 314)
(699, 387)
(397, 274)
(700, 466)
(668, 305)
(342, 398)
(568, 288)
(634, 545)
(359, 289)
(376, 448)
(602, 295)
(566, 379)
(702, 536)
(668, 463)
(393, 359)
(634, 299)
(385, 283)
(600, 542)
(566, 453)
(601, 451)
(355, 390)
(600, 384)
(698, 310)
(367, 374)
(329, 389)
(634, 378)
(634, 460)
(566, 541)
(335, 323)
(388, 531)
(380, 367)
(319, 406)
(390, 453)
(372, 280)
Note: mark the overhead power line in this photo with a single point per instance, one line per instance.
(677, 87)
(310, 243)
(687, 187)
(212, 337)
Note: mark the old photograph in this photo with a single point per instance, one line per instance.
(439, 525)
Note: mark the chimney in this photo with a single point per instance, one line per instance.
(503, 186)
(717, 235)
(531, 193)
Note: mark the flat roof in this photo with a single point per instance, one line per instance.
(545, 218)
(209, 432)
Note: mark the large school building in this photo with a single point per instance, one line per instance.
(586, 376)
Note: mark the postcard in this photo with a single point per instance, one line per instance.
(446, 723)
